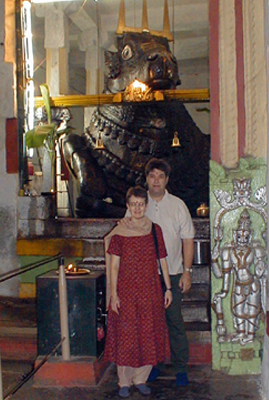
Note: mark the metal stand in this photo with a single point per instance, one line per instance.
(64, 312)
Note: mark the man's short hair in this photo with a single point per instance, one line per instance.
(158, 163)
(137, 191)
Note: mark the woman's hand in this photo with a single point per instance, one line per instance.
(115, 303)
(168, 298)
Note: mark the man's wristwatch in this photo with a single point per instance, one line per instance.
(188, 270)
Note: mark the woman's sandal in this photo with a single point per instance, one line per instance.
(143, 389)
(124, 391)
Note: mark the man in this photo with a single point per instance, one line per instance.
(172, 215)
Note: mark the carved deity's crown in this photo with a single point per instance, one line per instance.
(242, 187)
(244, 221)
(166, 33)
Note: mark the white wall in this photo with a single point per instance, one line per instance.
(8, 182)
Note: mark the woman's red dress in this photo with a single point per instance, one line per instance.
(138, 335)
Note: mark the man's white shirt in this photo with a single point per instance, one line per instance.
(173, 216)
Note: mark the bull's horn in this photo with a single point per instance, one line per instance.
(166, 22)
(121, 23)
(145, 24)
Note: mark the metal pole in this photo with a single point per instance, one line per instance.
(19, 271)
(63, 311)
(1, 385)
(34, 370)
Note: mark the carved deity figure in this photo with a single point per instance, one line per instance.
(245, 260)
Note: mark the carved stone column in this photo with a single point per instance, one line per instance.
(227, 84)
(88, 43)
(255, 78)
(57, 49)
(239, 151)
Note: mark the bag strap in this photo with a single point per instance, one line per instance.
(155, 240)
(156, 247)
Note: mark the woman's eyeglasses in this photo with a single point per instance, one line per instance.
(137, 204)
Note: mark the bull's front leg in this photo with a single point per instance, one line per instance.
(91, 183)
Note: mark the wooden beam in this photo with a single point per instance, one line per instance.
(186, 96)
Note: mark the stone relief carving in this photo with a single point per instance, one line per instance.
(242, 262)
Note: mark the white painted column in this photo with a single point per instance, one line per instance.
(57, 49)
(91, 67)
(88, 43)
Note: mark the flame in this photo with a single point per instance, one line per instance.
(137, 84)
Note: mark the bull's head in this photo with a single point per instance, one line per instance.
(144, 57)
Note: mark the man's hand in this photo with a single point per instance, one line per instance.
(126, 221)
(185, 282)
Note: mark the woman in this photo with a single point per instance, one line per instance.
(137, 336)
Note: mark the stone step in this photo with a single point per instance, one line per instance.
(199, 292)
(200, 344)
(20, 344)
(200, 274)
(18, 332)
(196, 312)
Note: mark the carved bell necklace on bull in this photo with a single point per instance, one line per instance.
(99, 143)
(176, 142)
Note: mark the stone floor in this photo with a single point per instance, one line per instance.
(205, 384)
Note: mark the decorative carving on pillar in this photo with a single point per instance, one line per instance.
(244, 259)
(228, 87)
(255, 79)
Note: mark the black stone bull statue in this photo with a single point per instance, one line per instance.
(133, 133)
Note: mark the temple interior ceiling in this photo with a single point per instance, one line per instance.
(188, 22)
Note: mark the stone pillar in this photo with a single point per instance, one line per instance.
(255, 79)
(227, 84)
(239, 149)
(57, 49)
(88, 43)
(8, 181)
(265, 360)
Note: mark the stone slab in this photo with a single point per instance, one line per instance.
(75, 228)
(34, 207)
(76, 372)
